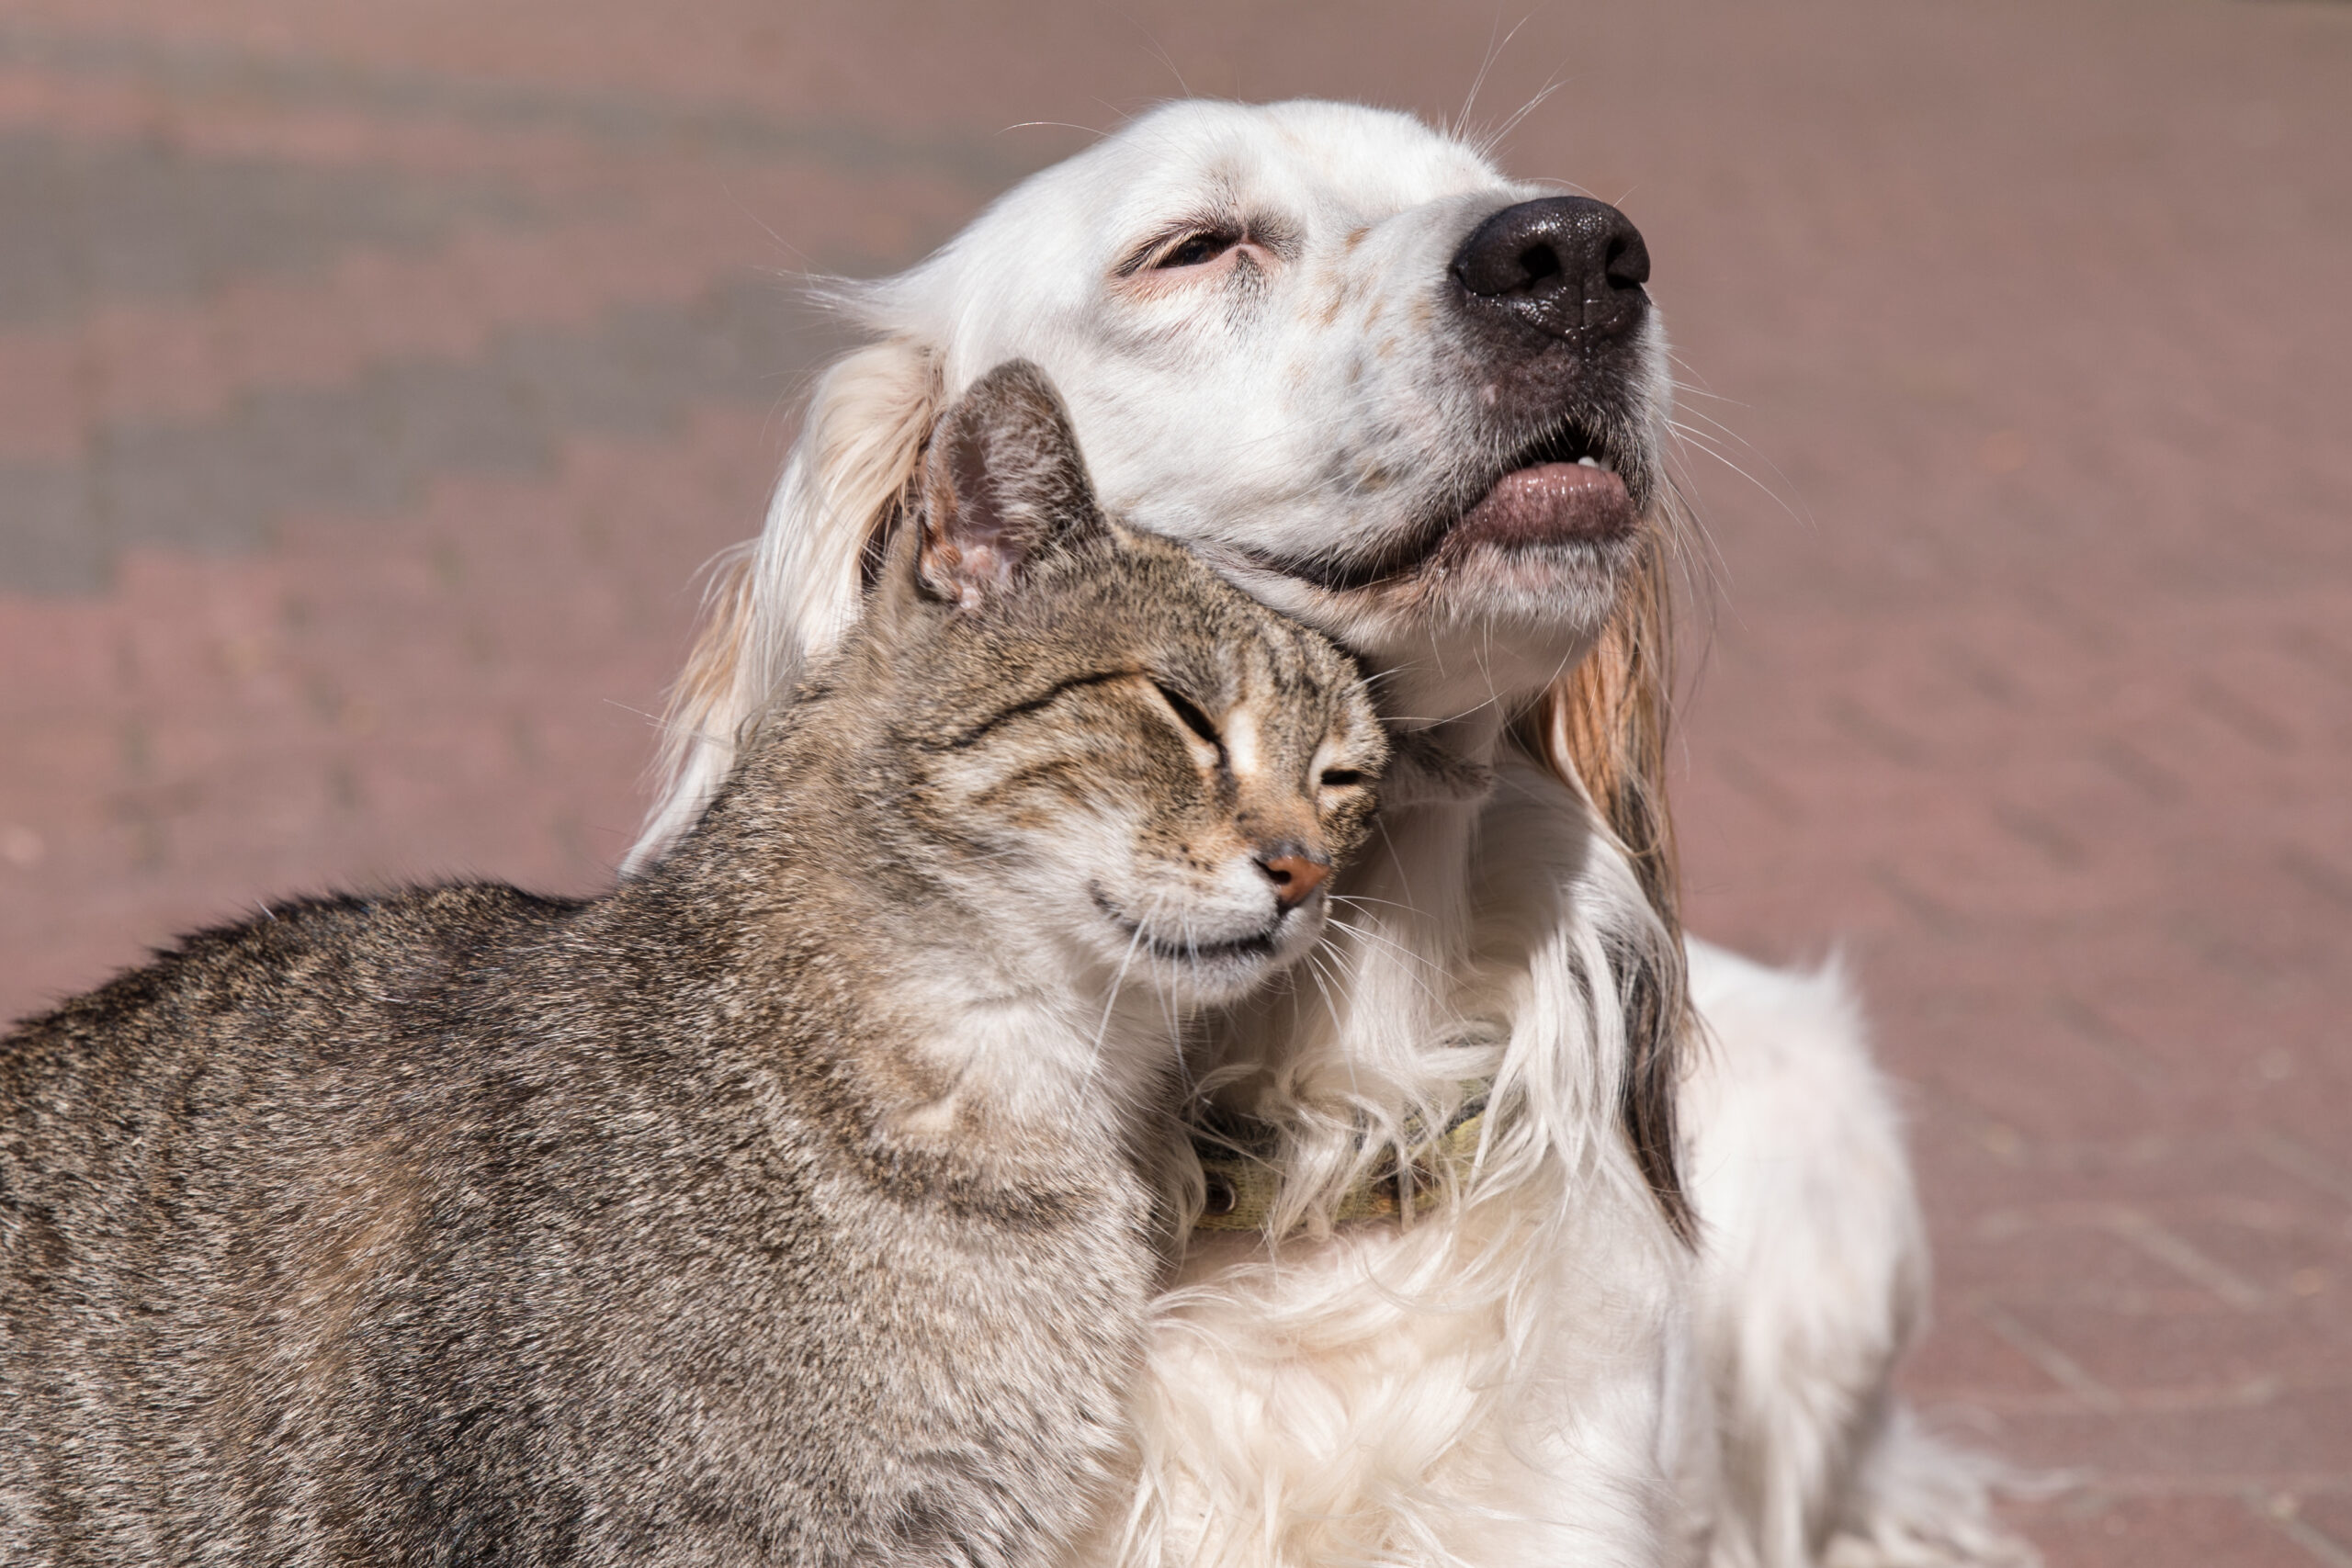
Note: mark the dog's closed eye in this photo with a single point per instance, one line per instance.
(1196, 243)
(1206, 241)
(1193, 249)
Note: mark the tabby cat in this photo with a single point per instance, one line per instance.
(799, 1203)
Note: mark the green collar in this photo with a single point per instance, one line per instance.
(1237, 1159)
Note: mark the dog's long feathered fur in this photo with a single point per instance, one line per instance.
(1552, 1360)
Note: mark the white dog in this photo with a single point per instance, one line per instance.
(1644, 1309)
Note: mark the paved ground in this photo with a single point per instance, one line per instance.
(374, 378)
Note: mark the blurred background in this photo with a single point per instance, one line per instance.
(375, 378)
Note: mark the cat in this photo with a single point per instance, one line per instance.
(798, 1202)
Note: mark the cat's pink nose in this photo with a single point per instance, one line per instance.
(1295, 876)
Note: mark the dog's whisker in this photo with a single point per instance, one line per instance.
(1495, 138)
(1703, 443)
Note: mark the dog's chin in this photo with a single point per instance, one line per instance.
(1546, 504)
(1494, 599)
(1545, 545)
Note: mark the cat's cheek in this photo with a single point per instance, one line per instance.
(1347, 827)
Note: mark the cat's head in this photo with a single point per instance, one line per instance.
(1147, 772)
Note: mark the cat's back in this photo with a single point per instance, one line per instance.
(281, 988)
(202, 1146)
(236, 1040)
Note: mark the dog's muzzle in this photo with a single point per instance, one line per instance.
(1548, 300)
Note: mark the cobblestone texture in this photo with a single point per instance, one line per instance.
(373, 380)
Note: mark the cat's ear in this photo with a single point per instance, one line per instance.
(1003, 484)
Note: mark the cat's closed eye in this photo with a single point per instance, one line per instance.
(1189, 714)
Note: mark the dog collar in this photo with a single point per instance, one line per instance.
(1238, 1162)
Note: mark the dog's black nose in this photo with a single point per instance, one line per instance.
(1566, 266)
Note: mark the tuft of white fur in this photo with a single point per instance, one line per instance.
(1918, 1502)
(1530, 1368)
(1801, 1324)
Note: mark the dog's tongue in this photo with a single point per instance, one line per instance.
(1551, 501)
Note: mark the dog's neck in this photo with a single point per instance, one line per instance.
(1440, 764)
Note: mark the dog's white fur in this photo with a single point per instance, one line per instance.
(1534, 1369)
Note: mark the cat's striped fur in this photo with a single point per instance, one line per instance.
(799, 1201)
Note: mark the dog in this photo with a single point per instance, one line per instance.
(1648, 1249)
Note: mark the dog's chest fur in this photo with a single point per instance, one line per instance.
(1465, 1387)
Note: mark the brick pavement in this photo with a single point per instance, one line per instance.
(374, 380)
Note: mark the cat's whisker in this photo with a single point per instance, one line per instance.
(1394, 858)
(1425, 988)
(1103, 1029)
(1176, 1046)
(1367, 899)
(1319, 969)
(1367, 935)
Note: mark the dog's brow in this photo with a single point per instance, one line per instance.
(1277, 234)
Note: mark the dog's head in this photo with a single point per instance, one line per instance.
(1379, 386)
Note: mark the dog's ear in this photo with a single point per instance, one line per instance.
(778, 602)
(1602, 730)
(1004, 484)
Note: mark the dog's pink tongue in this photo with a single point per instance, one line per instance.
(1551, 501)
